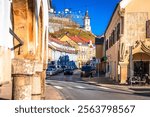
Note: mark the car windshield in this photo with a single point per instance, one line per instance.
(49, 67)
(86, 68)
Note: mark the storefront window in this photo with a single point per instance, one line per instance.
(141, 68)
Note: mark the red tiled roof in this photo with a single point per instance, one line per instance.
(78, 39)
(59, 42)
(84, 39)
(63, 50)
(62, 43)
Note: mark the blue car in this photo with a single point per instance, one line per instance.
(68, 71)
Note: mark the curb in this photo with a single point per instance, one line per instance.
(94, 83)
(117, 88)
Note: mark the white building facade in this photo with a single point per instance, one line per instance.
(6, 41)
(57, 49)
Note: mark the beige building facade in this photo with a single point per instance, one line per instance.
(100, 54)
(128, 35)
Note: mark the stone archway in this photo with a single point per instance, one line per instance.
(40, 33)
(141, 56)
(141, 63)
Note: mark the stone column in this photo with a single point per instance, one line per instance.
(22, 72)
(43, 76)
(36, 81)
(36, 87)
(123, 72)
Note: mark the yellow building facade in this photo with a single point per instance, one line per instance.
(128, 35)
(100, 54)
(65, 38)
(85, 50)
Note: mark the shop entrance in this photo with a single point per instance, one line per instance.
(141, 64)
(141, 68)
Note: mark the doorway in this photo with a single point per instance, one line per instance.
(141, 67)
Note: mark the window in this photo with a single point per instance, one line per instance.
(109, 41)
(115, 34)
(113, 37)
(107, 44)
(148, 29)
(118, 31)
(122, 25)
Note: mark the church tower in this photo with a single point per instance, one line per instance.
(87, 25)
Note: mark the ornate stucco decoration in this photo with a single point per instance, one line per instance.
(134, 36)
(125, 46)
(145, 46)
(122, 12)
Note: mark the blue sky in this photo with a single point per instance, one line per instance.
(100, 11)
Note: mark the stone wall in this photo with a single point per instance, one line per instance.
(135, 31)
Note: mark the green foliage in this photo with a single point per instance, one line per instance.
(73, 32)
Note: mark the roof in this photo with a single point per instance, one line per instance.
(76, 39)
(86, 14)
(112, 17)
(52, 46)
(79, 39)
(59, 42)
(62, 50)
(84, 39)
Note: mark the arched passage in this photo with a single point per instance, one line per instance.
(40, 33)
(141, 63)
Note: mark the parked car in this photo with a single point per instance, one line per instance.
(51, 70)
(59, 69)
(87, 71)
(68, 71)
(63, 67)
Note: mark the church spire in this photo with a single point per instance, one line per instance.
(87, 14)
(87, 25)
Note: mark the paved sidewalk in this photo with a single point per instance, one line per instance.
(51, 93)
(109, 83)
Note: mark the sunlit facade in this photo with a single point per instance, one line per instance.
(128, 34)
